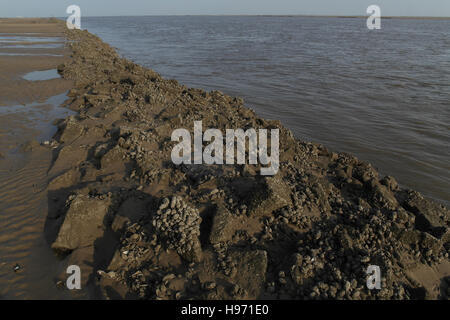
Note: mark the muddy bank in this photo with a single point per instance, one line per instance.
(141, 227)
(27, 111)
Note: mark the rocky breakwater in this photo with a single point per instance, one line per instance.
(142, 227)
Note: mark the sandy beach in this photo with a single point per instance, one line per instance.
(27, 111)
(107, 197)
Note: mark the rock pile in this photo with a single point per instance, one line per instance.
(223, 231)
(179, 224)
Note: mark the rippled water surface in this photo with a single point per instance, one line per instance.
(383, 95)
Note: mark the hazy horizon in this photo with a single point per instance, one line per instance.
(228, 15)
(107, 8)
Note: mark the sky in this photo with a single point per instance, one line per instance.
(57, 8)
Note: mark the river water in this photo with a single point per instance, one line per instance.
(383, 95)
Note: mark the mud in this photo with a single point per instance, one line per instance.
(223, 231)
(27, 111)
(141, 227)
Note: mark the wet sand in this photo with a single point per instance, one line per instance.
(27, 110)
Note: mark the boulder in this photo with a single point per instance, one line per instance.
(72, 131)
(222, 227)
(83, 224)
(268, 196)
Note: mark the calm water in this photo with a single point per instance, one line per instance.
(383, 95)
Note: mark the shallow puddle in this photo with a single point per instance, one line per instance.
(30, 54)
(32, 45)
(21, 123)
(30, 42)
(30, 39)
(42, 75)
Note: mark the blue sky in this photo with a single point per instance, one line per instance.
(47, 8)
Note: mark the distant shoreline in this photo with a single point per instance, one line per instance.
(254, 15)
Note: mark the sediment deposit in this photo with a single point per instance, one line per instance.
(27, 110)
(142, 227)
